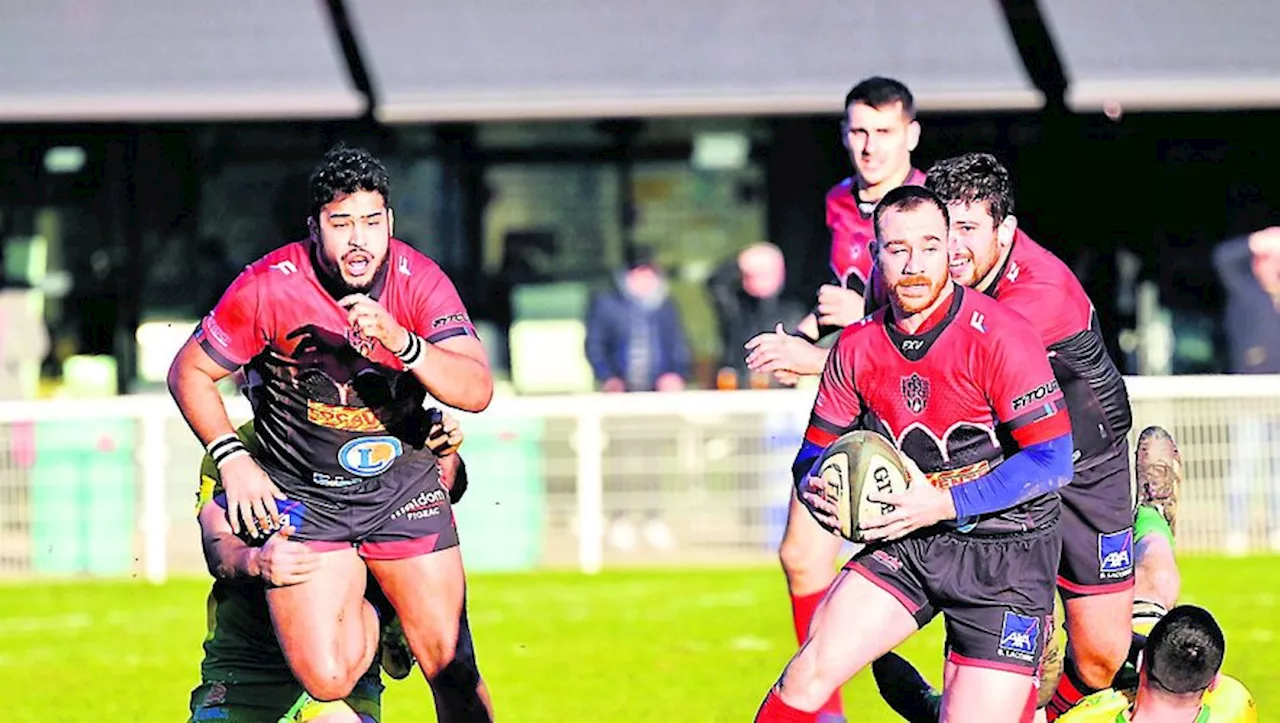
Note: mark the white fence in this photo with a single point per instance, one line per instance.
(106, 487)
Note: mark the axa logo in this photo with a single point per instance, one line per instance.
(1115, 553)
(1019, 636)
(369, 456)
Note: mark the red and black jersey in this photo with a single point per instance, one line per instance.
(852, 231)
(970, 389)
(1039, 286)
(336, 407)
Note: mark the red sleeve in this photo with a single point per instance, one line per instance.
(438, 313)
(1021, 388)
(837, 407)
(233, 332)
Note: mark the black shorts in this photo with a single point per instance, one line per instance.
(1097, 526)
(401, 514)
(995, 593)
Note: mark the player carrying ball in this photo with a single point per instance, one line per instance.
(946, 374)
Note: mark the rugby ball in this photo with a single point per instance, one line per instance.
(854, 466)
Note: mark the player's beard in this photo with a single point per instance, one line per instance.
(333, 281)
(907, 293)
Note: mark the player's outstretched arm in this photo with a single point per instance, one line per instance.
(227, 556)
(777, 351)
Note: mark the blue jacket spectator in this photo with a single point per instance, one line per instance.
(635, 339)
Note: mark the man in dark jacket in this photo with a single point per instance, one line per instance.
(748, 297)
(635, 340)
(1250, 271)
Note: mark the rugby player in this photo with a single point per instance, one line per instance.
(1179, 679)
(962, 386)
(350, 329)
(244, 676)
(880, 131)
(991, 254)
(1157, 583)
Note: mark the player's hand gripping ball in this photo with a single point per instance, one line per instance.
(853, 467)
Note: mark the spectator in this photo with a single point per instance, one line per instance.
(635, 340)
(748, 297)
(1250, 271)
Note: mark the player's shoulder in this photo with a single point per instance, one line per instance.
(290, 261)
(409, 263)
(1229, 701)
(988, 319)
(841, 192)
(1032, 266)
(863, 331)
(1101, 707)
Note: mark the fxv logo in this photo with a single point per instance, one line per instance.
(285, 267)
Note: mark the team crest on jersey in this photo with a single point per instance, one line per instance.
(915, 392)
(1115, 554)
(369, 456)
(1019, 637)
(358, 341)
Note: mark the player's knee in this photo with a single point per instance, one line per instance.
(1098, 664)
(437, 656)
(326, 680)
(805, 683)
(804, 568)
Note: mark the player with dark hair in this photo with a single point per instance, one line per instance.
(879, 130)
(991, 255)
(1179, 679)
(244, 677)
(350, 329)
(962, 387)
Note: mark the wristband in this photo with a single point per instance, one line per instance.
(412, 352)
(225, 448)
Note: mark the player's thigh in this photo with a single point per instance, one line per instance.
(1097, 528)
(309, 617)
(876, 602)
(1100, 625)
(980, 694)
(427, 592)
(997, 596)
(806, 546)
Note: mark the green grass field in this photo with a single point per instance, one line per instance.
(663, 646)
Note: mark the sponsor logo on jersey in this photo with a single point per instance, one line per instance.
(1035, 395)
(369, 456)
(347, 419)
(949, 478)
(426, 504)
(217, 332)
(915, 393)
(1019, 637)
(217, 695)
(1115, 554)
(458, 318)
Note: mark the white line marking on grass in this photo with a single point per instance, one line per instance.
(748, 642)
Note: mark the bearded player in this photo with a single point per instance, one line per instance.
(350, 329)
(244, 676)
(991, 255)
(880, 131)
(962, 387)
